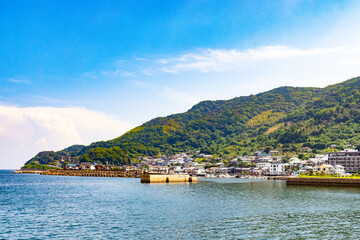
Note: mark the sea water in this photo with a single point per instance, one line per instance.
(62, 207)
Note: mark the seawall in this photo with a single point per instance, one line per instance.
(95, 173)
(167, 178)
(351, 182)
(30, 170)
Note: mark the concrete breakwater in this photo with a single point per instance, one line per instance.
(95, 173)
(167, 178)
(351, 182)
(30, 170)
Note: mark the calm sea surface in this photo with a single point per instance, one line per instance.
(57, 207)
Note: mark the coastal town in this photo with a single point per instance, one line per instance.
(338, 163)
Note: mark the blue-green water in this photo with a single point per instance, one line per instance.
(57, 207)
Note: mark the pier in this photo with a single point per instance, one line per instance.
(167, 178)
(350, 182)
(30, 171)
(94, 173)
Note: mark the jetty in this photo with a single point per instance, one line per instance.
(30, 171)
(167, 178)
(350, 182)
(94, 173)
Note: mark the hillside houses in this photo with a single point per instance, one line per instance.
(259, 163)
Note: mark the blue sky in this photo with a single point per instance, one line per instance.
(125, 62)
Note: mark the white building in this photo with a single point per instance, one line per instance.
(277, 169)
(263, 165)
(296, 162)
(339, 169)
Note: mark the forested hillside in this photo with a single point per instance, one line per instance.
(286, 119)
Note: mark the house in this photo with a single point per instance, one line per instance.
(349, 145)
(306, 169)
(87, 166)
(247, 159)
(213, 170)
(243, 171)
(224, 170)
(277, 169)
(263, 165)
(256, 171)
(127, 168)
(339, 169)
(262, 158)
(220, 164)
(295, 162)
(274, 152)
(234, 162)
(158, 170)
(276, 159)
(306, 149)
(71, 166)
(316, 161)
(325, 168)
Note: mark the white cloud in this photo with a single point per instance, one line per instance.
(140, 84)
(117, 73)
(26, 131)
(306, 57)
(218, 60)
(19, 80)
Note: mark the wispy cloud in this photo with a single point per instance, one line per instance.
(219, 60)
(140, 84)
(107, 74)
(116, 73)
(20, 80)
(42, 100)
(141, 59)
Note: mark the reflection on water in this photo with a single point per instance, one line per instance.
(112, 208)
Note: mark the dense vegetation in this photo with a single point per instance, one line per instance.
(286, 119)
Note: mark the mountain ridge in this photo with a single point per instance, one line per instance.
(285, 118)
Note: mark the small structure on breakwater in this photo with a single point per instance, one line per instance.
(167, 178)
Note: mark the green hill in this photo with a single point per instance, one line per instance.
(285, 118)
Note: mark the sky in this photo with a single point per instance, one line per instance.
(75, 72)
